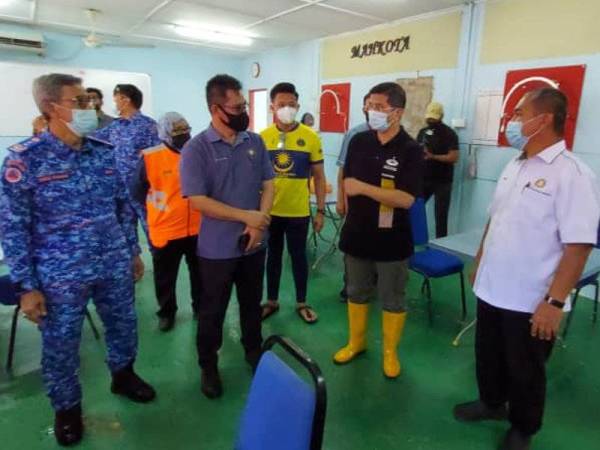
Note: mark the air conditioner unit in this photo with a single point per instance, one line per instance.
(25, 41)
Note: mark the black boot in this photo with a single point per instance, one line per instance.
(127, 383)
(477, 411)
(515, 440)
(166, 323)
(210, 383)
(68, 426)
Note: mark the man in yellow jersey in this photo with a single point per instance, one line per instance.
(296, 154)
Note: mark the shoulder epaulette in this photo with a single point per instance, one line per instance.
(25, 145)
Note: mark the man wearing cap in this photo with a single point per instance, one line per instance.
(172, 223)
(543, 224)
(440, 144)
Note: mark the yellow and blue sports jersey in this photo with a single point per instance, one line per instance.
(292, 154)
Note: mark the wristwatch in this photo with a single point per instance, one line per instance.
(554, 302)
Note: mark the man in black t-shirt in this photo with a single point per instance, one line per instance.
(382, 178)
(441, 153)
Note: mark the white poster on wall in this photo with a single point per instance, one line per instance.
(18, 108)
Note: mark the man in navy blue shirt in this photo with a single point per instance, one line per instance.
(227, 174)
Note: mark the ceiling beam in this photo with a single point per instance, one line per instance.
(352, 13)
(163, 4)
(307, 4)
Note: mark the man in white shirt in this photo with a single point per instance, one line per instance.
(543, 224)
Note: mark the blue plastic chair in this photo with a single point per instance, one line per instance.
(589, 280)
(8, 297)
(432, 263)
(283, 411)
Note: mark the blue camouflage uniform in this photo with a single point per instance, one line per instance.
(130, 137)
(68, 232)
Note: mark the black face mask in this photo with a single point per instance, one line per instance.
(237, 122)
(179, 141)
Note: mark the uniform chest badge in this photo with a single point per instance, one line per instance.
(300, 142)
(541, 183)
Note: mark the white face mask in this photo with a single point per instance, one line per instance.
(378, 120)
(287, 115)
(83, 121)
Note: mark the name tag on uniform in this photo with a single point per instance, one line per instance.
(53, 177)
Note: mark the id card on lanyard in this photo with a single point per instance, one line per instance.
(388, 181)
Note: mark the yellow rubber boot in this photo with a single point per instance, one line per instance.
(357, 324)
(393, 326)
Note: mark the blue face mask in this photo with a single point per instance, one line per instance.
(378, 120)
(514, 134)
(84, 121)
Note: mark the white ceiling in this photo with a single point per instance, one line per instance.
(270, 23)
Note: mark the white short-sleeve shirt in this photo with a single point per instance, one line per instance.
(540, 204)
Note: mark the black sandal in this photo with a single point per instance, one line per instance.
(310, 317)
(268, 309)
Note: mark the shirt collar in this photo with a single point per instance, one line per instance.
(132, 118)
(214, 136)
(550, 153)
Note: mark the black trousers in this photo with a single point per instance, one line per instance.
(166, 262)
(218, 277)
(441, 193)
(295, 231)
(511, 365)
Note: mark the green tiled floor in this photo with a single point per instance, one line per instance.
(365, 410)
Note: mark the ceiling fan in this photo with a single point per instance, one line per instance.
(95, 40)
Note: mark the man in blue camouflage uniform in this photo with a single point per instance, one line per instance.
(68, 236)
(130, 133)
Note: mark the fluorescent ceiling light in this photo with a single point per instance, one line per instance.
(212, 36)
(5, 3)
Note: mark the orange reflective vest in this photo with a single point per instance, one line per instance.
(170, 216)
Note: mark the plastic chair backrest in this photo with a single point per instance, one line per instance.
(418, 222)
(7, 292)
(280, 409)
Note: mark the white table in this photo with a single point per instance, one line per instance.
(465, 246)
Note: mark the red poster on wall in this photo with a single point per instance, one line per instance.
(335, 107)
(569, 79)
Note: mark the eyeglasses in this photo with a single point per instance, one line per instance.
(379, 108)
(82, 101)
(236, 109)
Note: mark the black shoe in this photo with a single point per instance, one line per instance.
(127, 383)
(515, 440)
(477, 411)
(253, 358)
(211, 385)
(68, 426)
(166, 324)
